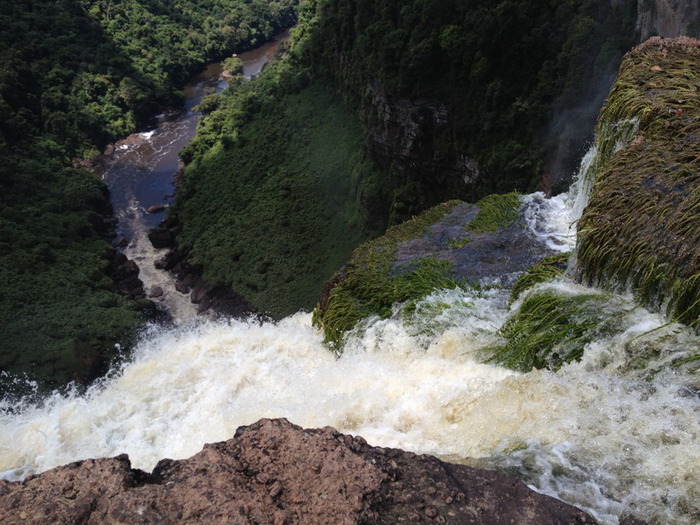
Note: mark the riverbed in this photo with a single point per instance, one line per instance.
(140, 172)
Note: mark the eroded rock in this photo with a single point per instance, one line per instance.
(276, 472)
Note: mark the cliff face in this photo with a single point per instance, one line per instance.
(276, 472)
(464, 99)
(668, 18)
(412, 140)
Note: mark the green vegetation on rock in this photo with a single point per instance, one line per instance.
(549, 330)
(641, 228)
(274, 195)
(74, 76)
(371, 284)
(548, 269)
(495, 211)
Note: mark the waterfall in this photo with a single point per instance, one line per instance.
(613, 433)
(601, 433)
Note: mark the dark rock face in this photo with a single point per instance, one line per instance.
(276, 472)
(668, 18)
(161, 237)
(412, 138)
(125, 273)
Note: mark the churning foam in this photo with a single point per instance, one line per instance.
(605, 440)
(554, 220)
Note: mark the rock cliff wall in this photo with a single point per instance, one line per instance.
(668, 18)
(460, 100)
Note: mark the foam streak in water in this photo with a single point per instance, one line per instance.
(588, 434)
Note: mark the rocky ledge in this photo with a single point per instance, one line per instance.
(452, 244)
(276, 472)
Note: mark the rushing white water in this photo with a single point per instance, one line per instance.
(614, 433)
(597, 433)
(554, 220)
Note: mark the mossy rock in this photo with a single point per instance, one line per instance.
(370, 285)
(453, 244)
(547, 269)
(550, 329)
(642, 226)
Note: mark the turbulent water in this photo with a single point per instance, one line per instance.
(610, 433)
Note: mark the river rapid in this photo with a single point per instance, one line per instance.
(603, 434)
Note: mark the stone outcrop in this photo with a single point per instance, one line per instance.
(454, 243)
(276, 472)
(640, 230)
(412, 138)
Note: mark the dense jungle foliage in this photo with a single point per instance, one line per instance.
(522, 80)
(75, 75)
(513, 76)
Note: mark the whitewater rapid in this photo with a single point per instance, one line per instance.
(605, 433)
(605, 441)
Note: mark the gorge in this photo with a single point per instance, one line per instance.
(604, 416)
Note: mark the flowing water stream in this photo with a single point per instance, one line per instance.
(603, 433)
(141, 170)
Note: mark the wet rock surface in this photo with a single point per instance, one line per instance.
(276, 472)
(500, 254)
(668, 18)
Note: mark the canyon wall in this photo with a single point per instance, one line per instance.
(668, 18)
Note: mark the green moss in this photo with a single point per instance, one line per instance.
(370, 285)
(456, 244)
(549, 268)
(549, 330)
(641, 228)
(495, 211)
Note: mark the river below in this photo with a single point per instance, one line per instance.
(141, 169)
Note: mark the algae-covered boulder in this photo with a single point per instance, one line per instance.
(641, 228)
(453, 244)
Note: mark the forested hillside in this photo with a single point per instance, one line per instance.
(519, 82)
(451, 99)
(277, 190)
(74, 76)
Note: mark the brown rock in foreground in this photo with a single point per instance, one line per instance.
(276, 472)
